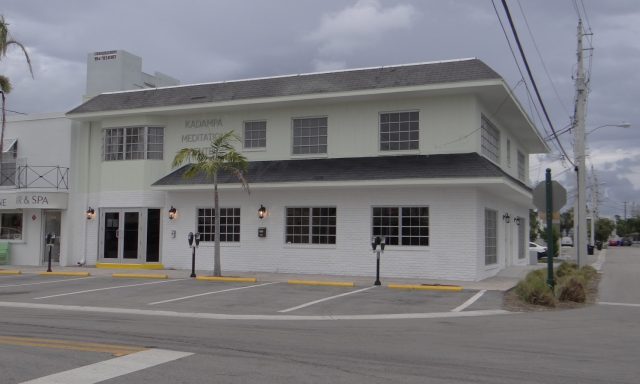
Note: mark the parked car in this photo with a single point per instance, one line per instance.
(613, 242)
(566, 242)
(626, 241)
(542, 251)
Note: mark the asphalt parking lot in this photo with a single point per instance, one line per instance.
(185, 295)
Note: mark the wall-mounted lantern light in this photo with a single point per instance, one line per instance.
(517, 220)
(506, 218)
(262, 212)
(172, 212)
(91, 213)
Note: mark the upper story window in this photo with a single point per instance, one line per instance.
(508, 153)
(490, 140)
(399, 130)
(8, 162)
(309, 135)
(521, 166)
(255, 134)
(133, 143)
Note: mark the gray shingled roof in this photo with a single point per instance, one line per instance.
(318, 83)
(466, 165)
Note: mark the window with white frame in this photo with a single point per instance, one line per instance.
(399, 130)
(255, 134)
(490, 236)
(11, 225)
(490, 140)
(310, 225)
(229, 224)
(133, 143)
(402, 225)
(309, 135)
(521, 166)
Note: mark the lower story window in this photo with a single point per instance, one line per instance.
(11, 226)
(311, 225)
(229, 224)
(402, 225)
(490, 236)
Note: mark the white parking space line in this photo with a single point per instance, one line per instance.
(325, 299)
(227, 317)
(46, 282)
(209, 293)
(109, 369)
(467, 303)
(618, 304)
(106, 289)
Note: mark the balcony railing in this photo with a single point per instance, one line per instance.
(33, 176)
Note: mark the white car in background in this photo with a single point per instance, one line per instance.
(542, 251)
(566, 242)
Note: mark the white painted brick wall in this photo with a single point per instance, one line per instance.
(452, 252)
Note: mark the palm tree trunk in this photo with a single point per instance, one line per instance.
(217, 269)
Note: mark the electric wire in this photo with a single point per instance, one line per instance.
(533, 83)
(544, 65)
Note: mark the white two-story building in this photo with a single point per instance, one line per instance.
(433, 156)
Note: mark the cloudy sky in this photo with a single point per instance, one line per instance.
(202, 41)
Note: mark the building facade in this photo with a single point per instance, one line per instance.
(35, 168)
(432, 156)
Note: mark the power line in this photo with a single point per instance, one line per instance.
(544, 65)
(533, 82)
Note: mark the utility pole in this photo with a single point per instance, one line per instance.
(594, 201)
(580, 224)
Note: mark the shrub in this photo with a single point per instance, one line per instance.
(572, 288)
(587, 272)
(566, 269)
(534, 290)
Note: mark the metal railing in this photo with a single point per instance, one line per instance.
(33, 176)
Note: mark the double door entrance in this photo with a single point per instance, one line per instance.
(130, 235)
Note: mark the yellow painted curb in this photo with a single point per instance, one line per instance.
(82, 274)
(140, 275)
(228, 279)
(10, 272)
(129, 266)
(426, 287)
(323, 283)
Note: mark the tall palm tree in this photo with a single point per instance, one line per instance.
(221, 156)
(5, 85)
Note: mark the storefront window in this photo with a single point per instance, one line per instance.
(11, 226)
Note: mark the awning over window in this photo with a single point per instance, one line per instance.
(8, 144)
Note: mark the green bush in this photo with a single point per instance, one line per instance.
(571, 285)
(566, 269)
(534, 290)
(572, 288)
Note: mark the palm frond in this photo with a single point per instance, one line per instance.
(5, 84)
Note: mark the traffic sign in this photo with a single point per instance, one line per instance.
(559, 198)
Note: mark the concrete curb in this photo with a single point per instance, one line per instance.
(10, 272)
(140, 276)
(80, 274)
(426, 287)
(228, 279)
(322, 283)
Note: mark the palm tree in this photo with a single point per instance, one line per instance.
(5, 85)
(221, 156)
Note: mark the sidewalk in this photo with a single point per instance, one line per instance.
(504, 281)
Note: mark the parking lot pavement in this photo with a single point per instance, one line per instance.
(260, 298)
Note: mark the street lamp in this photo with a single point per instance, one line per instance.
(624, 124)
